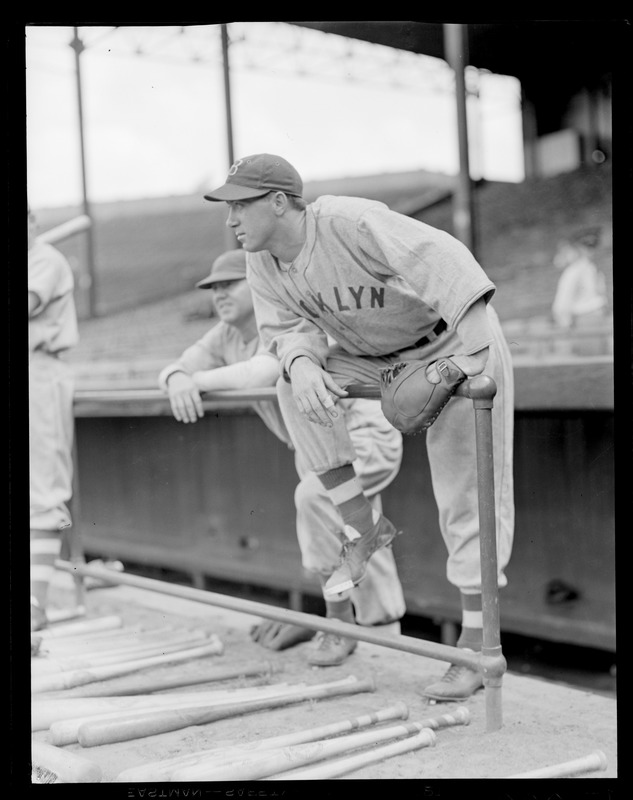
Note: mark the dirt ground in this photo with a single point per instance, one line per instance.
(544, 723)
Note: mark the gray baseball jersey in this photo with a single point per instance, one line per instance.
(376, 281)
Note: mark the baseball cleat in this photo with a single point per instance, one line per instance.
(331, 650)
(356, 554)
(458, 683)
(279, 635)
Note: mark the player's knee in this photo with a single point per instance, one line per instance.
(306, 495)
(284, 390)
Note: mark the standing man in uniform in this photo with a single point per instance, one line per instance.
(52, 331)
(387, 289)
(231, 356)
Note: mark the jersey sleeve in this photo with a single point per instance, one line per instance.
(474, 329)
(49, 274)
(206, 353)
(439, 268)
(283, 333)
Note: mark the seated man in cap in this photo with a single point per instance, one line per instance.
(230, 356)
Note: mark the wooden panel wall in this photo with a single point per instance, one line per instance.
(216, 498)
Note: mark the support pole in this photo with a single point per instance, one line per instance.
(78, 48)
(231, 241)
(227, 91)
(456, 48)
(482, 390)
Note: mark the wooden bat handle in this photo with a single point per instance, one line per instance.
(343, 766)
(95, 733)
(596, 761)
(51, 666)
(460, 717)
(137, 685)
(80, 677)
(85, 626)
(66, 229)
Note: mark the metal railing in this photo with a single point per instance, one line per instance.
(490, 661)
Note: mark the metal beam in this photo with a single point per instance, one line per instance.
(78, 48)
(456, 44)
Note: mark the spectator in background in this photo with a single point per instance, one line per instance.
(52, 331)
(581, 298)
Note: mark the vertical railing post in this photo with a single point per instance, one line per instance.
(482, 390)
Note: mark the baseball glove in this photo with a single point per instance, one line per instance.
(409, 400)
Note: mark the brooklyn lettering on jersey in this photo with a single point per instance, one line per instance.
(345, 299)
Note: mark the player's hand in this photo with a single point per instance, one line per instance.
(470, 365)
(315, 391)
(184, 397)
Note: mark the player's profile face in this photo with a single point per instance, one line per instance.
(252, 222)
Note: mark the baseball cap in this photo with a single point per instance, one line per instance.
(255, 176)
(588, 237)
(230, 266)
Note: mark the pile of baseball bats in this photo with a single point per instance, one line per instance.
(103, 651)
(114, 699)
(332, 749)
(108, 650)
(104, 720)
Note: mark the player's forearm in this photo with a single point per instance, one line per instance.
(475, 333)
(194, 359)
(257, 372)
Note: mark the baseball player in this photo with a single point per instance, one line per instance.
(52, 331)
(231, 356)
(393, 293)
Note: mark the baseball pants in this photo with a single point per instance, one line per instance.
(379, 599)
(451, 449)
(51, 426)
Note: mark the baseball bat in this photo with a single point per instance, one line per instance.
(50, 764)
(135, 685)
(271, 762)
(57, 615)
(596, 761)
(202, 770)
(124, 729)
(66, 229)
(80, 627)
(41, 641)
(80, 677)
(163, 770)
(319, 772)
(104, 640)
(46, 711)
(66, 731)
(48, 666)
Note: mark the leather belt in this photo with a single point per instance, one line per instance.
(439, 328)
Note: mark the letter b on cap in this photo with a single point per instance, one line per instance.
(236, 166)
